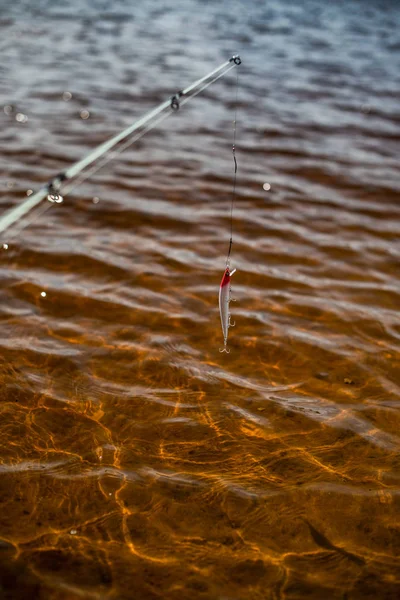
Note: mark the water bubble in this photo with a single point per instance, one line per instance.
(73, 532)
(67, 96)
(266, 186)
(8, 109)
(95, 200)
(29, 192)
(10, 184)
(84, 114)
(21, 118)
(5, 246)
(365, 108)
(57, 198)
(43, 294)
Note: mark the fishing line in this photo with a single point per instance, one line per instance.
(235, 168)
(53, 189)
(225, 298)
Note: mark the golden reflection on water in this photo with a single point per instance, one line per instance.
(136, 461)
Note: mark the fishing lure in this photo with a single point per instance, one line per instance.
(225, 288)
(224, 301)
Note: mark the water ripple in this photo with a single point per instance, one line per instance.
(133, 455)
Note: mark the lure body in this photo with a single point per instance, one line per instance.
(224, 300)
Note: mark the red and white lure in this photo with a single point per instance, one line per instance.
(224, 301)
(225, 287)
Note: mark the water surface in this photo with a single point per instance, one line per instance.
(135, 459)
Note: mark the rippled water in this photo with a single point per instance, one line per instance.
(136, 460)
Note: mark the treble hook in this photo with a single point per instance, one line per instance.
(225, 348)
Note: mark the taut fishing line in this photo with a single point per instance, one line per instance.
(235, 170)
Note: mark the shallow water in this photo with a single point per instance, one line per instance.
(136, 460)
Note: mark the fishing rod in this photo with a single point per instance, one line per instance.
(64, 183)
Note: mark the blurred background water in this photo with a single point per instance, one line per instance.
(135, 459)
